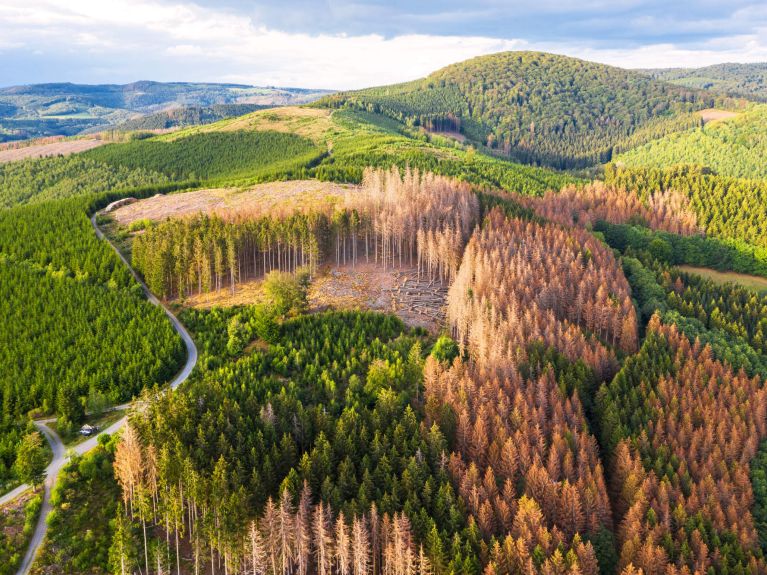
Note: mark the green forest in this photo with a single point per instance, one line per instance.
(734, 148)
(537, 108)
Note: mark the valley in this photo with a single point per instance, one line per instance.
(509, 319)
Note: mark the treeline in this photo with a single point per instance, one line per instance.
(537, 108)
(409, 219)
(231, 156)
(286, 538)
(728, 318)
(730, 208)
(75, 322)
(44, 179)
(669, 418)
(672, 249)
(328, 404)
(586, 205)
(188, 116)
(735, 147)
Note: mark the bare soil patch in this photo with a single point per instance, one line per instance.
(61, 148)
(418, 302)
(713, 115)
(263, 199)
(448, 134)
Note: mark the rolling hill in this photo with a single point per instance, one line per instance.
(67, 109)
(740, 80)
(536, 107)
(735, 147)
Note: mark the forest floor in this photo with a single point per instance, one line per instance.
(756, 283)
(62, 148)
(263, 199)
(713, 115)
(418, 302)
(366, 286)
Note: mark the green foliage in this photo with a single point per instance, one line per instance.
(735, 147)
(729, 318)
(74, 320)
(445, 349)
(759, 485)
(214, 156)
(287, 292)
(80, 528)
(39, 180)
(672, 249)
(536, 107)
(328, 403)
(31, 460)
(367, 141)
(17, 523)
(730, 208)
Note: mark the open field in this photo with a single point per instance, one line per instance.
(61, 148)
(262, 199)
(712, 115)
(313, 123)
(752, 282)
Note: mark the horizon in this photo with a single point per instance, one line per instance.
(330, 89)
(342, 44)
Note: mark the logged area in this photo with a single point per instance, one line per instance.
(258, 200)
(62, 148)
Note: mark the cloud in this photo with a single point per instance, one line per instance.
(126, 40)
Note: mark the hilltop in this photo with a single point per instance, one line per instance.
(536, 107)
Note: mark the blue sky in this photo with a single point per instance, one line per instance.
(350, 44)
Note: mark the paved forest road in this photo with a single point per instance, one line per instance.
(60, 455)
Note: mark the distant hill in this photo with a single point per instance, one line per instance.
(739, 80)
(190, 116)
(537, 107)
(67, 109)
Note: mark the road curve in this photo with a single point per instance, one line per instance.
(60, 455)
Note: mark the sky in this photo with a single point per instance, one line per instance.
(342, 44)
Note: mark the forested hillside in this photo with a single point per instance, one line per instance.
(582, 405)
(735, 147)
(536, 107)
(742, 80)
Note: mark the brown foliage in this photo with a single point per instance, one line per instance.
(584, 205)
(711, 421)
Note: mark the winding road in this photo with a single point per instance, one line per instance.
(62, 455)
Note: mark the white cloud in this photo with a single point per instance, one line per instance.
(159, 40)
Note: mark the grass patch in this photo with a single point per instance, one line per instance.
(755, 283)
